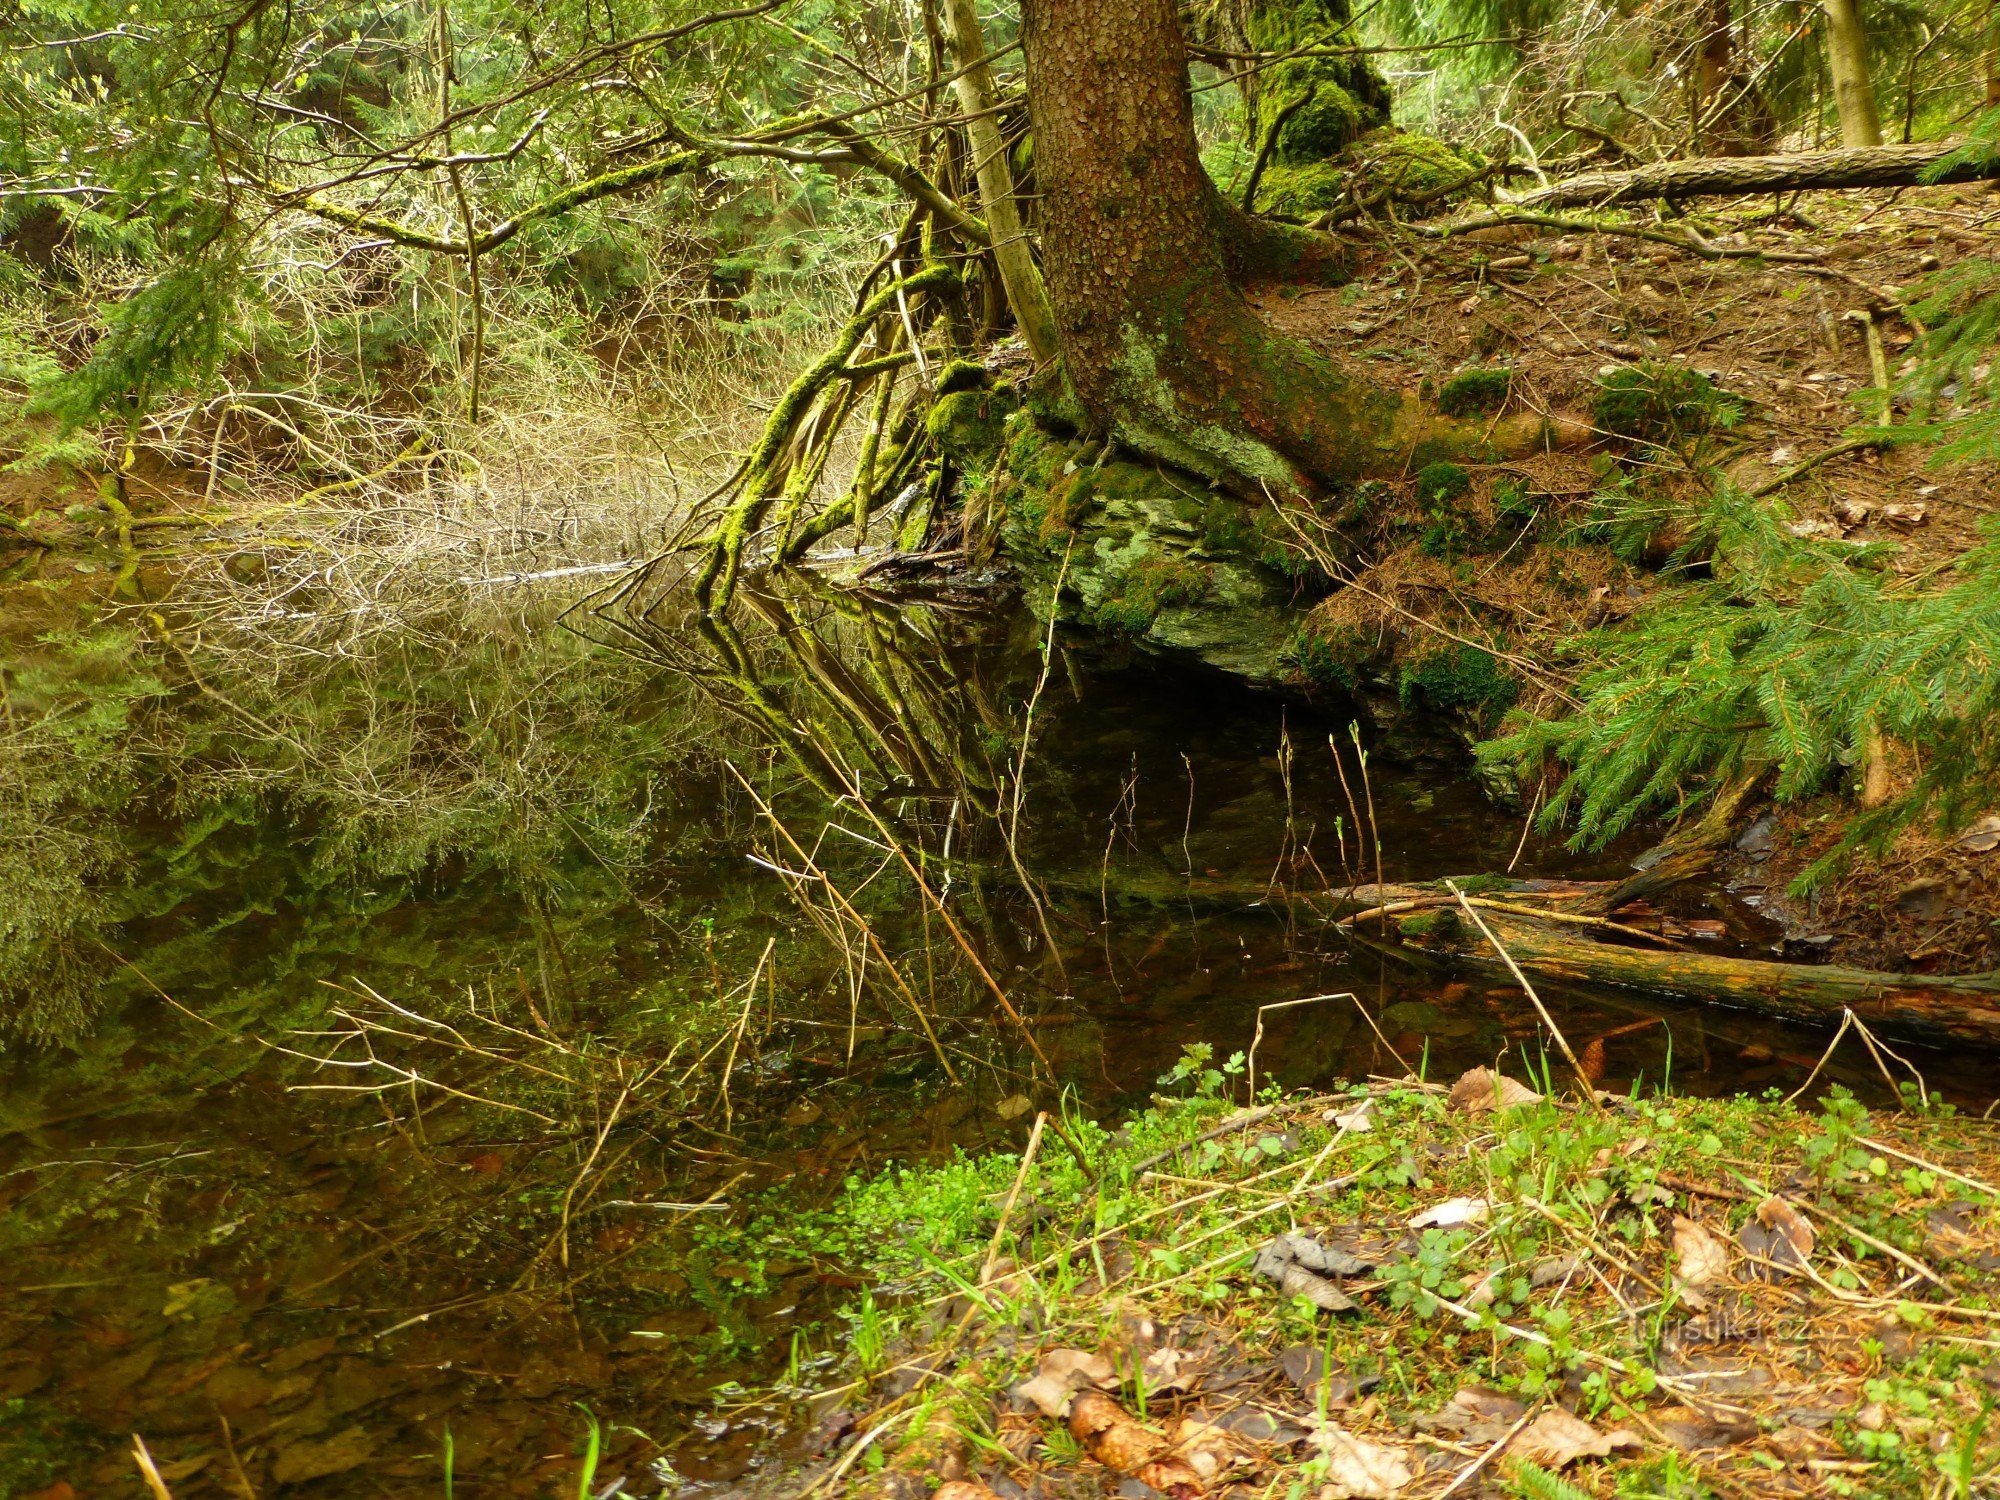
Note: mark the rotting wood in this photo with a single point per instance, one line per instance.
(1749, 176)
(1961, 1008)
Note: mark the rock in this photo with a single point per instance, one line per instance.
(297, 1462)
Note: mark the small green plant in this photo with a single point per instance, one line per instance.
(1457, 678)
(1657, 402)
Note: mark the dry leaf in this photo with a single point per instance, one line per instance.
(1209, 1450)
(1557, 1439)
(1701, 1259)
(1359, 1118)
(1905, 515)
(963, 1489)
(1451, 1213)
(1060, 1375)
(1482, 1089)
(1110, 1436)
(1779, 1234)
(1168, 1370)
(1982, 837)
(1358, 1468)
(1013, 1106)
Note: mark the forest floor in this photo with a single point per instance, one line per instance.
(1787, 344)
(1401, 1289)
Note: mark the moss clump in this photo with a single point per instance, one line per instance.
(1441, 484)
(1326, 102)
(961, 375)
(1412, 165)
(1331, 658)
(969, 426)
(1457, 679)
(1151, 585)
(1229, 528)
(1298, 190)
(1657, 401)
(1475, 393)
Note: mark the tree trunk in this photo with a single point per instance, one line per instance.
(1847, 59)
(1731, 116)
(1011, 253)
(1160, 348)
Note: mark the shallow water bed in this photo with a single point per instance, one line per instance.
(440, 1019)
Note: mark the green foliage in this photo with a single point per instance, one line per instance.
(1456, 678)
(1657, 402)
(1792, 655)
(168, 336)
(1332, 658)
(1474, 393)
(1440, 484)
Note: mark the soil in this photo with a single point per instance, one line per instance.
(1786, 340)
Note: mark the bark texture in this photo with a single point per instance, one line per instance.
(1160, 348)
(1742, 176)
(1847, 60)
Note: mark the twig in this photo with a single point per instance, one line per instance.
(1589, 1088)
(1013, 1194)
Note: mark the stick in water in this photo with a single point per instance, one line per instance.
(1589, 1088)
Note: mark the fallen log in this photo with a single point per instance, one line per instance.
(1747, 176)
(1940, 1008)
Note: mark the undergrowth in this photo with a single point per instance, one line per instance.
(1558, 1271)
(1782, 653)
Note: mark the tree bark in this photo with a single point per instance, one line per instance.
(1731, 114)
(978, 97)
(1160, 349)
(1847, 59)
(1745, 176)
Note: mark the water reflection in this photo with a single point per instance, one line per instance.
(461, 1022)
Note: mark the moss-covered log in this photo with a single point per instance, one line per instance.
(1960, 1008)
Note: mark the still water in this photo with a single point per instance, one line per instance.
(454, 1026)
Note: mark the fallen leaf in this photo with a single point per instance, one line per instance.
(1554, 1268)
(963, 1489)
(1451, 1213)
(346, 1450)
(1060, 1374)
(1294, 1262)
(1360, 1117)
(1557, 1439)
(1905, 515)
(1700, 1258)
(1482, 1089)
(1013, 1106)
(1168, 1370)
(1982, 837)
(1359, 1468)
(1110, 1436)
(1210, 1450)
(1778, 1235)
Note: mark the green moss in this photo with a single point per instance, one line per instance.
(1302, 189)
(1330, 658)
(1149, 586)
(1344, 97)
(1474, 393)
(969, 426)
(1440, 484)
(961, 375)
(1410, 164)
(1420, 925)
(1457, 679)
(1657, 401)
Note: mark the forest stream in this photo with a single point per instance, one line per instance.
(469, 1106)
